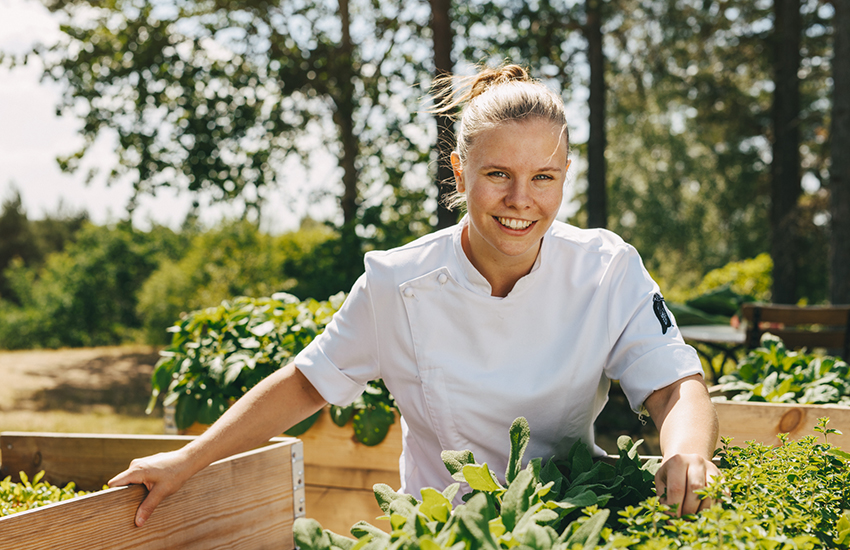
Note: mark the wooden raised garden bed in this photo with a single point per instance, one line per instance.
(340, 472)
(762, 422)
(249, 500)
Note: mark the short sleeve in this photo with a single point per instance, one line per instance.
(648, 352)
(343, 359)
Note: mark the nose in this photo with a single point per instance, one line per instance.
(519, 194)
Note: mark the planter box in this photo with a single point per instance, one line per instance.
(761, 422)
(249, 500)
(339, 473)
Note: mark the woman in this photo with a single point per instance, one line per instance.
(507, 314)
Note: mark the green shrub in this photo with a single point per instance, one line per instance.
(752, 277)
(235, 259)
(83, 296)
(217, 354)
(773, 373)
(794, 496)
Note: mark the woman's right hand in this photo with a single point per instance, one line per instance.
(163, 474)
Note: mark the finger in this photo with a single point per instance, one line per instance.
(148, 505)
(695, 480)
(671, 478)
(127, 477)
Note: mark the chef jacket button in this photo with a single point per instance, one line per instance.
(442, 278)
(408, 292)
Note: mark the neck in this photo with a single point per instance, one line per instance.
(502, 273)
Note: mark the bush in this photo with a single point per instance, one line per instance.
(83, 296)
(217, 354)
(235, 259)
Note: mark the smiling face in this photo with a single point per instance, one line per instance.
(513, 179)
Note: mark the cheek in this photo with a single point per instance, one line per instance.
(553, 198)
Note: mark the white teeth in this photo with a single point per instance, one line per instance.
(514, 223)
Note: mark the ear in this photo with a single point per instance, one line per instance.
(458, 172)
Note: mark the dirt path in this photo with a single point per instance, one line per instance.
(103, 381)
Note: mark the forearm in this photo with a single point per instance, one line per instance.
(274, 405)
(685, 417)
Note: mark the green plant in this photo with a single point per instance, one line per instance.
(217, 354)
(794, 496)
(26, 495)
(773, 373)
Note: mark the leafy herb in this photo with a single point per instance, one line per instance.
(773, 373)
(26, 495)
(794, 496)
(219, 353)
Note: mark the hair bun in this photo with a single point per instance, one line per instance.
(502, 75)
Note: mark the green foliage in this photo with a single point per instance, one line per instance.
(751, 278)
(237, 259)
(26, 495)
(85, 295)
(775, 374)
(791, 497)
(225, 96)
(219, 353)
(28, 242)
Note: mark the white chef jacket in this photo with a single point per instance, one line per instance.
(463, 364)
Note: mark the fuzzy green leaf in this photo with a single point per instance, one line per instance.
(480, 478)
(520, 433)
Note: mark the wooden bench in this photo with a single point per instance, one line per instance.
(800, 326)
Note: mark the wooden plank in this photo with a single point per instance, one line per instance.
(89, 460)
(329, 445)
(830, 339)
(350, 478)
(338, 509)
(326, 444)
(245, 501)
(761, 422)
(798, 315)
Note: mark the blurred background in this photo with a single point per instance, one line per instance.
(158, 157)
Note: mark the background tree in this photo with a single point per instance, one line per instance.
(443, 36)
(218, 96)
(27, 242)
(785, 165)
(597, 186)
(839, 182)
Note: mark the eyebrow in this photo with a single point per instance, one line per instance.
(506, 169)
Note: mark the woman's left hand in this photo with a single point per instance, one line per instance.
(679, 477)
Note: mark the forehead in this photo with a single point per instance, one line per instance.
(534, 141)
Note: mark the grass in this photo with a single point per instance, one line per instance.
(71, 422)
(82, 390)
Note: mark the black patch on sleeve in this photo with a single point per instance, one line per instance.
(661, 313)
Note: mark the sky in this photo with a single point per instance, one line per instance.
(32, 136)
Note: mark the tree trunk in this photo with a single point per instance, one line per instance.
(597, 208)
(344, 119)
(785, 167)
(839, 176)
(441, 28)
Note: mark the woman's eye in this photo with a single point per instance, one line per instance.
(543, 177)
(497, 174)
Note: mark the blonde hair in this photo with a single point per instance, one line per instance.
(491, 97)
